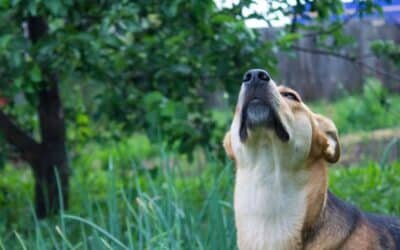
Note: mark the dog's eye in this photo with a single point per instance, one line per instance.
(291, 96)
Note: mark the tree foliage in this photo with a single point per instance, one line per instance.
(151, 65)
(145, 66)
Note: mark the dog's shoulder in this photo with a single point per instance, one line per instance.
(381, 231)
(344, 226)
(387, 228)
(337, 222)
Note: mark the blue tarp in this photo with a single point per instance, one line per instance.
(391, 12)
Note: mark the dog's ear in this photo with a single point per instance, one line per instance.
(330, 139)
(228, 145)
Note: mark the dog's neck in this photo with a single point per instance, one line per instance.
(272, 198)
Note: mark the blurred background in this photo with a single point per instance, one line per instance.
(112, 113)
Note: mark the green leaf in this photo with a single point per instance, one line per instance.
(55, 7)
(288, 39)
(4, 3)
(18, 82)
(35, 74)
(82, 119)
(4, 41)
(223, 18)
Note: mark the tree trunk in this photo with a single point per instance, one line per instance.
(48, 159)
(51, 168)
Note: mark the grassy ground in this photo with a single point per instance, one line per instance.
(176, 208)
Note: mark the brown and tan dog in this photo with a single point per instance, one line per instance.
(281, 201)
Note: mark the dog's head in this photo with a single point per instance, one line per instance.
(275, 118)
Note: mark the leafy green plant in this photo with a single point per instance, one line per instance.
(388, 49)
(374, 108)
(369, 186)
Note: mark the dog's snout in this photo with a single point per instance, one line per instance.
(256, 76)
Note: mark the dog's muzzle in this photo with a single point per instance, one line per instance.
(258, 114)
(258, 110)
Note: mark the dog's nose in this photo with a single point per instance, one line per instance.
(256, 76)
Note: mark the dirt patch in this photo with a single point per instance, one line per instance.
(377, 145)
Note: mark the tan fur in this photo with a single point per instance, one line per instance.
(228, 146)
(362, 238)
(316, 186)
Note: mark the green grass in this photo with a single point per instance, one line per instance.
(370, 186)
(183, 206)
(177, 208)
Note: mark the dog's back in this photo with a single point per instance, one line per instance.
(388, 229)
(343, 226)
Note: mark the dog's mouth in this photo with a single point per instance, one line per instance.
(257, 113)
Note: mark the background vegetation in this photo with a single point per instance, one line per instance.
(112, 115)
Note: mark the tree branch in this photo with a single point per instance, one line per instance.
(324, 52)
(356, 60)
(25, 145)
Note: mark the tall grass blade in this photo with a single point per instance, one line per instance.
(20, 240)
(99, 229)
(2, 245)
(61, 204)
(60, 232)
(113, 221)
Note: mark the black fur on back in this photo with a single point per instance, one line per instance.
(343, 215)
(385, 225)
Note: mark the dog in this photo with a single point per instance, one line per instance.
(281, 199)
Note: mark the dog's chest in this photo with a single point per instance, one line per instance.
(269, 209)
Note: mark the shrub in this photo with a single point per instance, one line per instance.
(374, 108)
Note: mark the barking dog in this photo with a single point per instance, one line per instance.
(281, 201)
